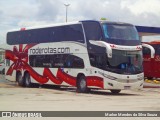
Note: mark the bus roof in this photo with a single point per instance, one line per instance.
(44, 26)
(106, 21)
(68, 23)
(148, 31)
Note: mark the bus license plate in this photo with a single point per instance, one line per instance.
(127, 87)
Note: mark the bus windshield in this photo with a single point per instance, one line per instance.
(118, 31)
(125, 62)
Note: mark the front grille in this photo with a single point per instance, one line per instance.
(126, 81)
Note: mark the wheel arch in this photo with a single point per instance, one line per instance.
(79, 75)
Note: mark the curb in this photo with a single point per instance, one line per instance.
(151, 85)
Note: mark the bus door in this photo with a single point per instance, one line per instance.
(96, 53)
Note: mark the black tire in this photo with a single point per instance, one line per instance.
(19, 79)
(150, 78)
(27, 80)
(82, 84)
(115, 91)
(3, 71)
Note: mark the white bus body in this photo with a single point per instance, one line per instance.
(79, 54)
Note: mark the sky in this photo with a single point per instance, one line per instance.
(16, 14)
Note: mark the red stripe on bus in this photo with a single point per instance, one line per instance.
(66, 78)
(94, 81)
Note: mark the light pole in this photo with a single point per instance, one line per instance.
(66, 10)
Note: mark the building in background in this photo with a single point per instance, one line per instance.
(2, 53)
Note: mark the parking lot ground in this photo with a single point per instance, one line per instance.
(152, 84)
(49, 98)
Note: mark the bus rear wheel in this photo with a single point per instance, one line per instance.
(27, 80)
(81, 84)
(19, 79)
(3, 71)
(115, 91)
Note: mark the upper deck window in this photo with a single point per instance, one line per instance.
(43, 35)
(92, 30)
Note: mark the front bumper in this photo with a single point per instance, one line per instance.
(111, 84)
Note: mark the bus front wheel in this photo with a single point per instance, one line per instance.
(27, 80)
(115, 91)
(81, 84)
(19, 79)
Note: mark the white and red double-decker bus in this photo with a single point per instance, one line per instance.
(84, 54)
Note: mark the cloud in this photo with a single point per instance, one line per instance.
(143, 6)
(31, 23)
(48, 9)
(19, 13)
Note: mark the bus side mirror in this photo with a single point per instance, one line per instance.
(151, 48)
(103, 44)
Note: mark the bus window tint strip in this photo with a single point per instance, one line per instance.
(92, 30)
(44, 35)
(56, 61)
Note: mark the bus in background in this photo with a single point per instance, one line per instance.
(150, 51)
(84, 54)
(152, 65)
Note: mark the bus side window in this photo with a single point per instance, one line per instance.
(57, 61)
(92, 58)
(93, 30)
(73, 33)
(31, 60)
(49, 34)
(78, 62)
(74, 62)
(68, 62)
(39, 60)
(100, 61)
(97, 60)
